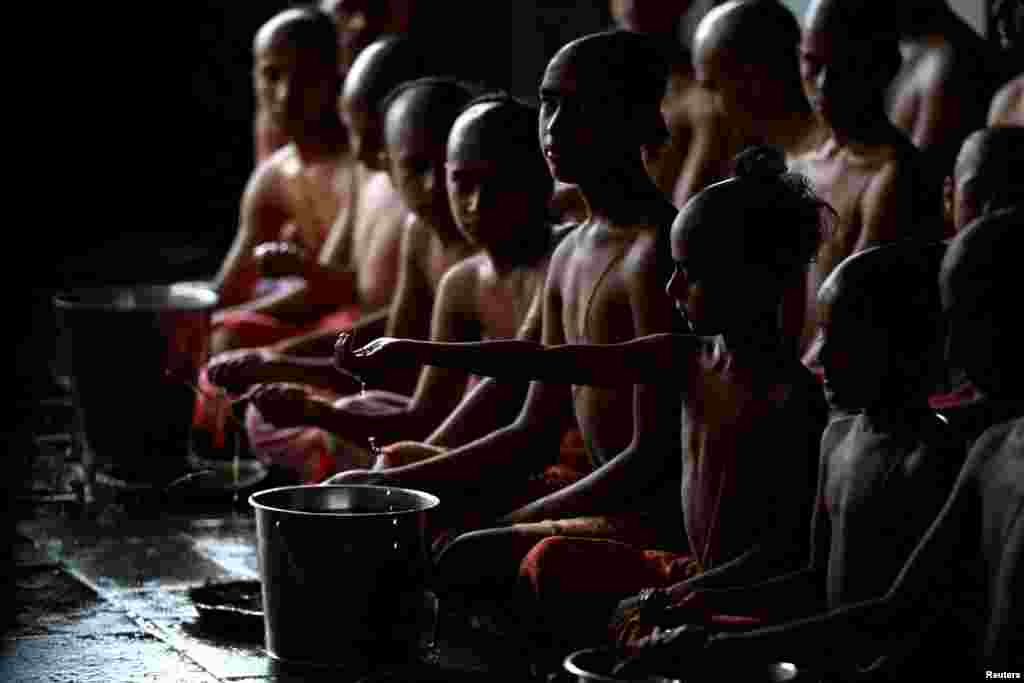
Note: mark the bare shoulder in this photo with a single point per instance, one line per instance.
(838, 431)
(460, 283)
(1003, 442)
(650, 253)
(566, 238)
(268, 180)
(466, 273)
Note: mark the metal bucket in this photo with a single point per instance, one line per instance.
(134, 355)
(344, 572)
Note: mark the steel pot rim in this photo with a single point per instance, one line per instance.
(429, 501)
(189, 296)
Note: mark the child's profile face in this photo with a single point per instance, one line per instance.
(293, 85)
(488, 194)
(580, 122)
(416, 153)
(364, 132)
(853, 352)
(702, 286)
(839, 78)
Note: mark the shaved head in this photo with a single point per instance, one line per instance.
(989, 173)
(745, 52)
(980, 286)
(307, 29)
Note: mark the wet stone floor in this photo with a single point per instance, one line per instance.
(102, 593)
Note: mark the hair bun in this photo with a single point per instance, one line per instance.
(762, 162)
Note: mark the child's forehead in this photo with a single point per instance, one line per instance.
(573, 71)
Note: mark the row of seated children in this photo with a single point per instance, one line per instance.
(608, 267)
(742, 54)
(899, 421)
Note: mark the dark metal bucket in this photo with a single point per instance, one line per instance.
(344, 572)
(135, 353)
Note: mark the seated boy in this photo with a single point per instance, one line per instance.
(600, 104)
(948, 75)
(498, 189)
(744, 54)
(988, 175)
(432, 243)
(369, 235)
(866, 168)
(743, 387)
(304, 186)
(358, 24)
(943, 579)
(695, 154)
(886, 470)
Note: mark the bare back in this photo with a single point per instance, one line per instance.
(376, 239)
(941, 93)
(881, 194)
(424, 261)
(286, 198)
(700, 138)
(749, 463)
(999, 458)
(878, 494)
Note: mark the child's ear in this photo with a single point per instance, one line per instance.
(947, 199)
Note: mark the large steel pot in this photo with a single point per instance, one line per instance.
(344, 572)
(135, 353)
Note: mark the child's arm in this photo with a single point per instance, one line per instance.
(652, 458)
(653, 359)
(438, 391)
(740, 583)
(924, 590)
(262, 215)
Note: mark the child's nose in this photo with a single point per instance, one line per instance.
(428, 181)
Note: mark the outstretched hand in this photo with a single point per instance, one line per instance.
(380, 353)
(355, 477)
(280, 259)
(284, 404)
(235, 371)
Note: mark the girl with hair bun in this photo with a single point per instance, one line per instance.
(752, 413)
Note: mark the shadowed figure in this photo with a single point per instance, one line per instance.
(867, 169)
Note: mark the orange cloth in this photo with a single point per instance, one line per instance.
(212, 416)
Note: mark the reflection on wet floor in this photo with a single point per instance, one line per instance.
(134, 565)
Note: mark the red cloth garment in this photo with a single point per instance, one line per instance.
(212, 416)
(260, 329)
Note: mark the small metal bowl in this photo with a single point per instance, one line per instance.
(231, 608)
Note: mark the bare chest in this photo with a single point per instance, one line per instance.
(595, 298)
(316, 196)
(376, 243)
(503, 303)
(842, 185)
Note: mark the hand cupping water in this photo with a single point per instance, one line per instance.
(283, 404)
(280, 259)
